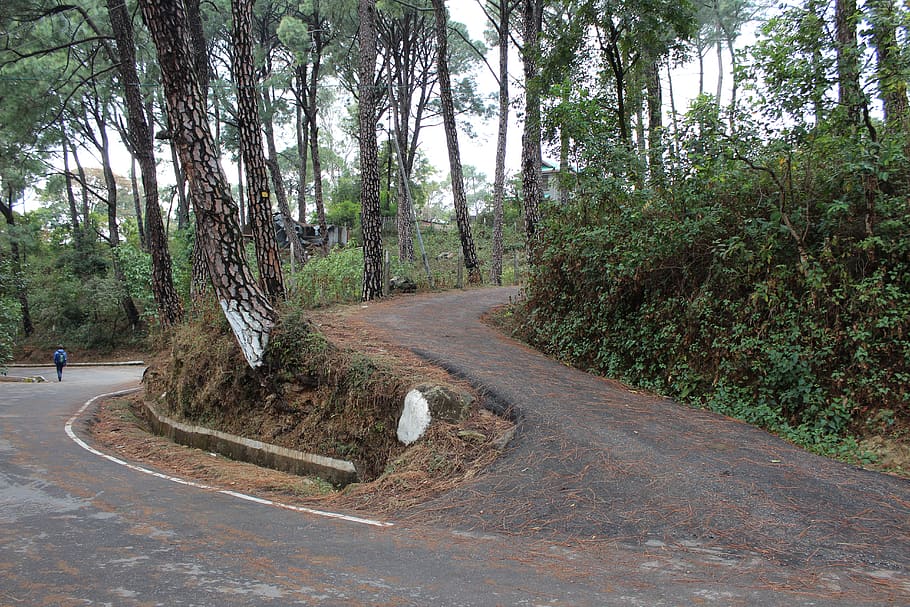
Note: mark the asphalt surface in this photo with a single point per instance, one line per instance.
(79, 529)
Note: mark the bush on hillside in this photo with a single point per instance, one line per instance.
(772, 285)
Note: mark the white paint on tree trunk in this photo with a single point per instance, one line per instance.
(415, 419)
(252, 333)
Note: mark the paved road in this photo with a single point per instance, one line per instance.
(78, 529)
(594, 459)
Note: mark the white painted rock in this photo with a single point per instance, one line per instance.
(427, 402)
(415, 419)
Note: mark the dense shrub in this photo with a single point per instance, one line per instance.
(9, 314)
(765, 287)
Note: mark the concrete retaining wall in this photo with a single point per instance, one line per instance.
(336, 471)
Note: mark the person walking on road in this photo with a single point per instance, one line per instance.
(60, 361)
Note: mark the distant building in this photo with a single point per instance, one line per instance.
(549, 179)
(309, 234)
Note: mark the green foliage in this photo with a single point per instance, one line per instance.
(136, 266)
(335, 278)
(9, 314)
(72, 292)
(343, 213)
(763, 286)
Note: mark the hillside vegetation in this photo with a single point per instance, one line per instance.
(771, 283)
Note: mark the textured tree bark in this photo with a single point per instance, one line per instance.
(312, 115)
(199, 282)
(499, 179)
(170, 308)
(257, 174)
(849, 93)
(530, 140)
(245, 306)
(404, 220)
(300, 78)
(199, 49)
(198, 45)
(371, 219)
(448, 121)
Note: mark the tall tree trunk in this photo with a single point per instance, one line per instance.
(313, 120)
(137, 206)
(312, 116)
(68, 179)
(241, 194)
(673, 116)
(405, 212)
(83, 184)
(402, 118)
(849, 93)
(199, 279)
(405, 218)
(641, 145)
(245, 306)
(200, 60)
(615, 58)
(371, 218)
(110, 182)
(183, 202)
(655, 122)
(719, 47)
(168, 301)
(6, 209)
(257, 175)
(734, 80)
(198, 45)
(278, 181)
(531, 160)
(300, 79)
(451, 129)
(892, 80)
(126, 301)
(499, 179)
(701, 68)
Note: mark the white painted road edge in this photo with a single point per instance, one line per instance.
(204, 487)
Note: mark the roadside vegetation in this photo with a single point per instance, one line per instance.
(747, 253)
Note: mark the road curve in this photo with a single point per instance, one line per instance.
(594, 459)
(78, 529)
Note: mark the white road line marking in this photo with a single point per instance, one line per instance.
(204, 487)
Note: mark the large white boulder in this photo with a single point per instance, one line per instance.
(425, 403)
(415, 418)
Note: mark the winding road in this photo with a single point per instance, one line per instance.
(604, 498)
